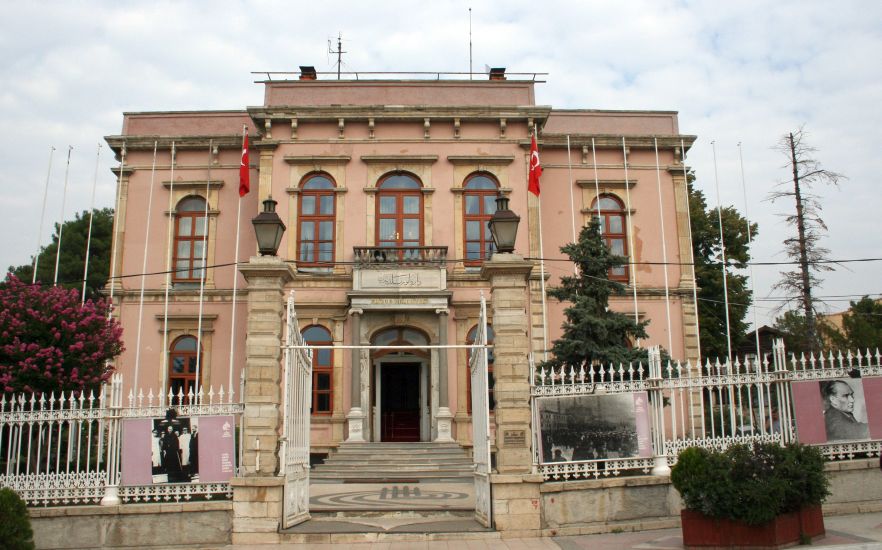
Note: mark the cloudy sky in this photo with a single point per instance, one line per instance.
(746, 71)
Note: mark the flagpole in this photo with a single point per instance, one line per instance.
(202, 276)
(691, 250)
(168, 275)
(535, 172)
(236, 264)
(749, 244)
(723, 254)
(42, 217)
(631, 252)
(596, 185)
(61, 222)
(113, 242)
(572, 204)
(661, 214)
(91, 218)
(144, 272)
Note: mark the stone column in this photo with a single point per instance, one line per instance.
(516, 497)
(444, 417)
(258, 491)
(356, 414)
(508, 294)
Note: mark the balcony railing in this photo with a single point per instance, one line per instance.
(391, 256)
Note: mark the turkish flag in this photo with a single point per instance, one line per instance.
(244, 171)
(535, 167)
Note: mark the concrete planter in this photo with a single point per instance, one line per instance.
(785, 530)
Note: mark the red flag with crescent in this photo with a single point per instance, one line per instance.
(535, 167)
(244, 169)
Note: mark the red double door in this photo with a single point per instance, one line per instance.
(400, 402)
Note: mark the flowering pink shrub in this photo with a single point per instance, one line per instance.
(49, 342)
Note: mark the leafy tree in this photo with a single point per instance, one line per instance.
(50, 342)
(73, 254)
(861, 326)
(804, 247)
(707, 250)
(797, 337)
(592, 333)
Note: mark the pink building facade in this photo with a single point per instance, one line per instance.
(385, 188)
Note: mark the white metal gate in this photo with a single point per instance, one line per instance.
(294, 449)
(481, 421)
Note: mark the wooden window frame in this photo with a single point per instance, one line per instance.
(188, 379)
(399, 215)
(316, 218)
(321, 369)
(180, 276)
(482, 217)
(608, 236)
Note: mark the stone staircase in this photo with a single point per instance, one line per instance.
(396, 463)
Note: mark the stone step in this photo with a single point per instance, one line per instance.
(399, 468)
(394, 526)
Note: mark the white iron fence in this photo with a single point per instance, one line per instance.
(67, 449)
(606, 421)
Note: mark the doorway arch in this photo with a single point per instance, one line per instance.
(401, 402)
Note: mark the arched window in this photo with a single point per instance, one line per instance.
(182, 365)
(317, 216)
(400, 336)
(491, 382)
(612, 225)
(322, 366)
(190, 239)
(399, 211)
(478, 204)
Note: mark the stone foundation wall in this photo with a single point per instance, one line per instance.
(648, 502)
(133, 525)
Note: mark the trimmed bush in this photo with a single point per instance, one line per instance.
(15, 524)
(753, 484)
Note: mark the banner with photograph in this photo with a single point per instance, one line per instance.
(838, 410)
(594, 427)
(198, 449)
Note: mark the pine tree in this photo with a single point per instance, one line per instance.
(592, 333)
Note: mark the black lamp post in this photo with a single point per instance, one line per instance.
(269, 228)
(504, 226)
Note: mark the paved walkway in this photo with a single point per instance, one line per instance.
(851, 532)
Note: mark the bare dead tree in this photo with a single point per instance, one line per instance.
(804, 248)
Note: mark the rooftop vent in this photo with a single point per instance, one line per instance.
(497, 73)
(307, 72)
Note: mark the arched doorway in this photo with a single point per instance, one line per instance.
(400, 400)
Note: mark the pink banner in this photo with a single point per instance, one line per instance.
(641, 412)
(873, 400)
(808, 410)
(216, 448)
(136, 452)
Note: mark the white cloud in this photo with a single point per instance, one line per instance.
(736, 71)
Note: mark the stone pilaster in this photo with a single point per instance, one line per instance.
(258, 492)
(508, 281)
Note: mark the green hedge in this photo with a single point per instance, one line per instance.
(15, 524)
(753, 484)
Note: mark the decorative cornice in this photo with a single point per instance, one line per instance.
(399, 112)
(145, 142)
(479, 159)
(190, 185)
(399, 159)
(317, 159)
(559, 141)
(606, 183)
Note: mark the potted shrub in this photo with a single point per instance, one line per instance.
(751, 495)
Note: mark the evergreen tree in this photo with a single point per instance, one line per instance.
(73, 254)
(592, 333)
(707, 251)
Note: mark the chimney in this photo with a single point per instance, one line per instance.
(497, 73)
(307, 72)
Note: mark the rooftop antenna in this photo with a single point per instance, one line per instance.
(339, 52)
(470, 43)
